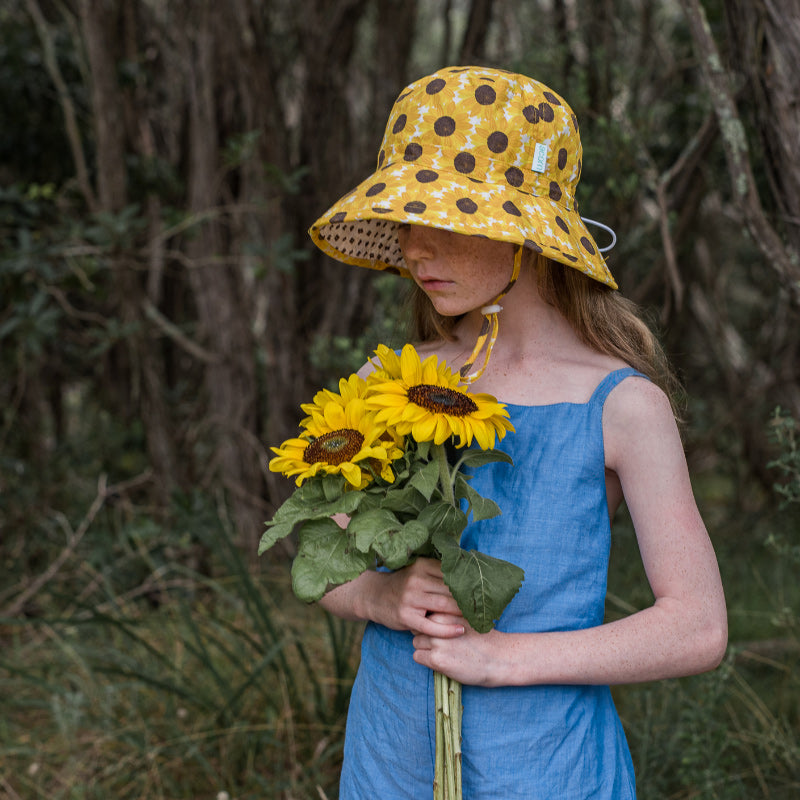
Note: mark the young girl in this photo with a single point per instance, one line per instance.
(473, 199)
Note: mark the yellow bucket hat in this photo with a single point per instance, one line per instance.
(477, 151)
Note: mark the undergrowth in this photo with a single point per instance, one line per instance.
(143, 655)
(207, 684)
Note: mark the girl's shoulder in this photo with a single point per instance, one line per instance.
(638, 415)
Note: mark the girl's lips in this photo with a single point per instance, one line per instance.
(434, 284)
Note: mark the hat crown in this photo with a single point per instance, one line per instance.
(489, 126)
(476, 151)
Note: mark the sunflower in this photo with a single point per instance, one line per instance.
(388, 365)
(423, 398)
(352, 388)
(349, 388)
(338, 439)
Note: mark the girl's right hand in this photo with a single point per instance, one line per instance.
(406, 599)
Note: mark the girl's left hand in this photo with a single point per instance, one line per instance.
(471, 658)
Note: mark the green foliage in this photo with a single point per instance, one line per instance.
(391, 524)
(32, 137)
(785, 434)
(482, 584)
(336, 355)
(713, 736)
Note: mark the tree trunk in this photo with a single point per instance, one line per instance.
(766, 51)
(785, 263)
(473, 45)
(217, 287)
(104, 29)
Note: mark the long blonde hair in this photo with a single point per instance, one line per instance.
(601, 317)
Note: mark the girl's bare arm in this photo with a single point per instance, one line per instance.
(683, 632)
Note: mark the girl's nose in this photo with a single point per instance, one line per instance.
(416, 241)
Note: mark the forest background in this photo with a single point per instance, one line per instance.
(163, 314)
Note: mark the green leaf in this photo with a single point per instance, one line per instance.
(481, 585)
(423, 450)
(365, 527)
(315, 499)
(324, 556)
(443, 519)
(477, 458)
(370, 500)
(397, 548)
(404, 501)
(426, 479)
(480, 506)
(332, 487)
(380, 532)
(274, 533)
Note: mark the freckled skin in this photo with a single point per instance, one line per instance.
(459, 273)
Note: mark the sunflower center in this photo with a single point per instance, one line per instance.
(441, 400)
(335, 447)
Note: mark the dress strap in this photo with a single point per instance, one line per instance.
(612, 380)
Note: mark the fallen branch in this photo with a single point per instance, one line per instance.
(73, 540)
(767, 651)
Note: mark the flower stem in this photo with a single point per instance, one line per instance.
(447, 778)
(445, 478)
(447, 691)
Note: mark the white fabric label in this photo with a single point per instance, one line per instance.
(539, 158)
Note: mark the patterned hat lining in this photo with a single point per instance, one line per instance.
(373, 243)
(372, 240)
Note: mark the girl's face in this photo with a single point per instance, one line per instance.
(459, 273)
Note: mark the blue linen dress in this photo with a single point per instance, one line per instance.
(549, 742)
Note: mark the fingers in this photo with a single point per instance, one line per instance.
(438, 626)
(417, 599)
(448, 619)
(423, 586)
(442, 604)
(427, 571)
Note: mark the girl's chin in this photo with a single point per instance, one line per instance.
(450, 310)
(453, 308)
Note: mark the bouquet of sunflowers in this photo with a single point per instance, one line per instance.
(388, 452)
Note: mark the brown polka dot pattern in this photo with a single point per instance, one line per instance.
(458, 153)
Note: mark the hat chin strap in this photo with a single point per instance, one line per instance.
(489, 328)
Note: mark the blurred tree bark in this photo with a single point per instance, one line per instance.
(764, 49)
(778, 120)
(109, 33)
(207, 138)
(473, 44)
(264, 118)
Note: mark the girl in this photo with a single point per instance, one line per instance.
(473, 199)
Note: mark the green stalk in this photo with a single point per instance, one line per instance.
(456, 709)
(445, 478)
(447, 692)
(447, 776)
(439, 790)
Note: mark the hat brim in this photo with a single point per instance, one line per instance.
(361, 228)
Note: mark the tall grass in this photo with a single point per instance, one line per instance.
(204, 685)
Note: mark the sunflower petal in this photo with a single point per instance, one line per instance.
(424, 429)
